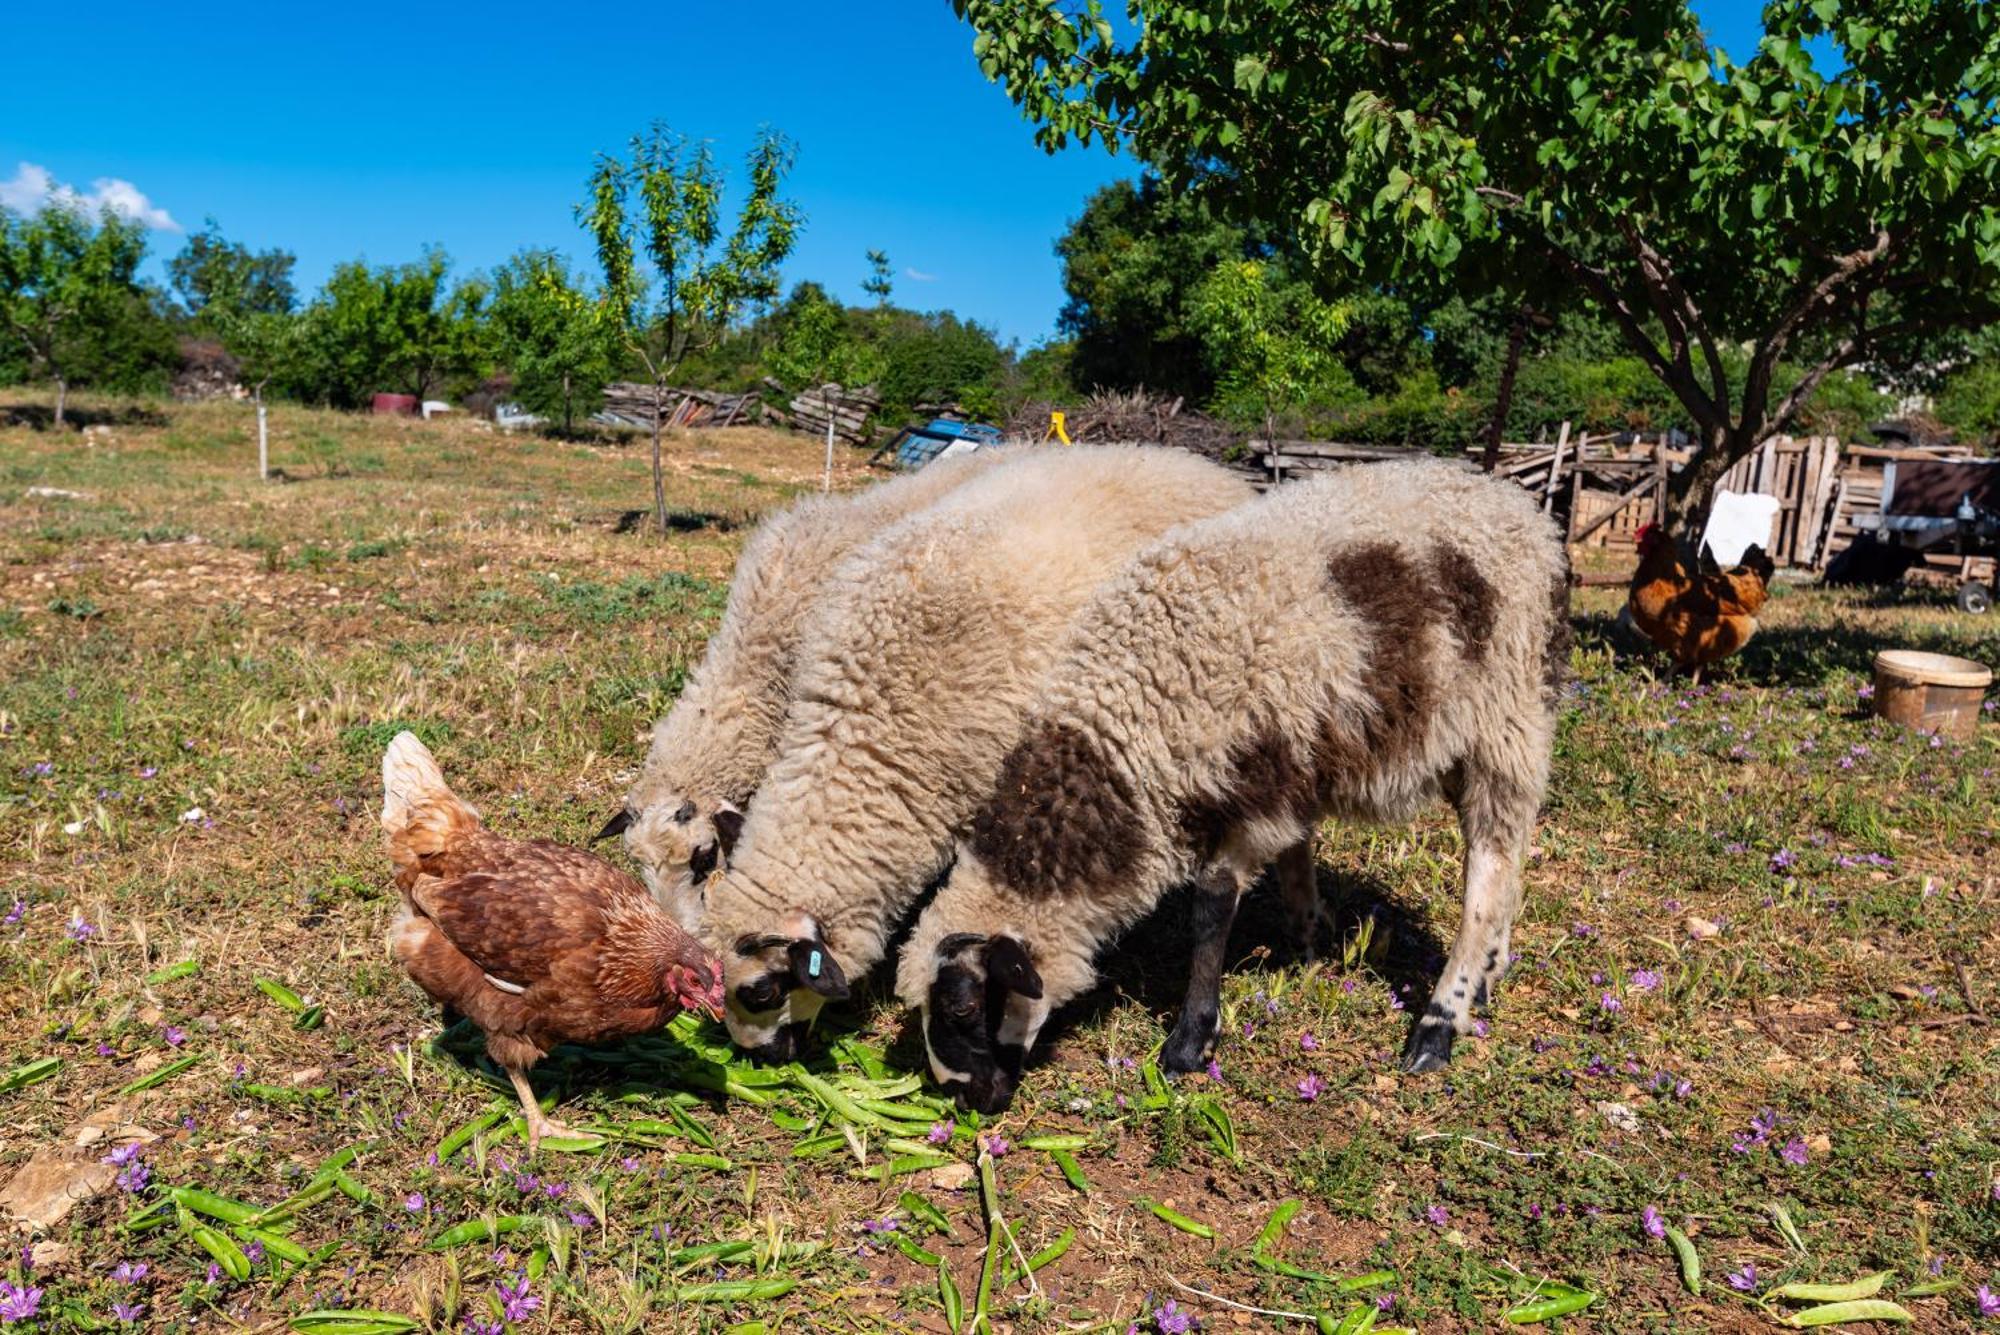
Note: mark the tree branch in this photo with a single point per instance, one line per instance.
(1691, 317)
(1764, 366)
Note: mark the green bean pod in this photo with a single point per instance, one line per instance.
(1072, 1171)
(1177, 1219)
(480, 1230)
(737, 1290)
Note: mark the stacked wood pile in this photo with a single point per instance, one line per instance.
(1110, 416)
(850, 410)
(1803, 475)
(628, 403)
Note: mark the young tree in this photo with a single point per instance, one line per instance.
(393, 328)
(552, 335)
(217, 278)
(881, 279)
(267, 345)
(815, 346)
(1597, 150)
(60, 274)
(1273, 341)
(704, 278)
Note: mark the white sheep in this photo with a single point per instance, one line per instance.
(709, 752)
(1350, 646)
(926, 656)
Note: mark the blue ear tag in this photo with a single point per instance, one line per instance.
(812, 965)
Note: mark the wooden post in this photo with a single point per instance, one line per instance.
(1575, 500)
(1555, 469)
(263, 441)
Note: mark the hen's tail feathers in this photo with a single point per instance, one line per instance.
(420, 813)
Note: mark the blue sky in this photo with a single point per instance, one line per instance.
(369, 129)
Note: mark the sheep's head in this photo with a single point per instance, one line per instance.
(980, 1016)
(774, 985)
(677, 842)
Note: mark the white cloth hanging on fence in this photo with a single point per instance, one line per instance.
(1738, 519)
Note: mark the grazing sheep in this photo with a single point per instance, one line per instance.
(1349, 646)
(926, 656)
(709, 752)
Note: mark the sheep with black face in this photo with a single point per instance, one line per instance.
(709, 753)
(925, 656)
(1350, 646)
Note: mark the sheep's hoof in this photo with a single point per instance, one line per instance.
(1429, 1048)
(1186, 1051)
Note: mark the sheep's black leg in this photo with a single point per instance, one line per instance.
(1194, 1034)
(1496, 813)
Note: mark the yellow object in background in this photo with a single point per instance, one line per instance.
(1056, 428)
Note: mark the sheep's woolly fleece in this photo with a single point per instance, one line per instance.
(917, 671)
(1351, 645)
(712, 747)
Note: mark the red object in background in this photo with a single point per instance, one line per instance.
(395, 405)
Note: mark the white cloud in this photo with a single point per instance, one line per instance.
(919, 276)
(33, 188)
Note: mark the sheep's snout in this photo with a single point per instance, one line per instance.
(787, 1042)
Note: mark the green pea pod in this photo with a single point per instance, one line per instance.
(791, 1122)
(737, 1290)
(901, 1166)
(173, 972)
(1689, 1258)
(711, 1251)
(584, 1143)
(690, 1128)
(161, 1076)
(983, 1299)
(1544, 1309)
(1217, 1124)
(355, 1321)
(1867, 1309)
(916, 1253)
(1866, 1287)
(312, 1017)
(214, 1206)
(462, 1137)
(905, 1145)
(897, 1112)
(277, 1244)
(1274, 1227)
(281, 994)
(954, 1305)
(1374, 1279)
(1072, 1171)
(921, 1209)
(1047, 1143)
(32, 1073)
(351, 1189)
(716, 1161)
(1177, 1219)
(152, 1216)
(818, 1145)
(222, 1251)
(1928, 1289)
(840, 1104)
(481, 1230)
(1271, 1265)
(1358, 1321)
(1048, 1255)
(312, 1195)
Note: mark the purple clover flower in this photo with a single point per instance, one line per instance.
(1173, 1319)
(1989, 1301)
(1437, 1215)
(79, 929)
(18, 1302)
(414, 1202)
(1744, 1280)
(1610, 1004)
(14, 914)
(1650, 1220)
(941, 1132)
(1310, 1087)
(995, 1144)
(516, 1303)
(1794, 1152)
(1308, 1043)
(130, 1272)
(174, 1035)
(127, 1312)
(1214, 1069)
(1645, 980)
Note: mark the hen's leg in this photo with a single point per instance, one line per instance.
(539, 1124)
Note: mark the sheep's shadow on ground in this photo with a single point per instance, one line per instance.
(1149, 965)
(678, 521)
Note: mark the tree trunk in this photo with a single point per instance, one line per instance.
(1693, 489)
(1503, 395)
(62, 400)
(659, 473)
(263, 440)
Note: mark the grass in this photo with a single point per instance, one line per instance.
(1755, 980)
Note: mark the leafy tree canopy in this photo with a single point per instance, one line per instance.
(215, 277)
(1596, 151)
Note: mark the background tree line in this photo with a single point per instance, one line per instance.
(1161, 294)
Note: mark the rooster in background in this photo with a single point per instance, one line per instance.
(534, 942)
(1699, 616)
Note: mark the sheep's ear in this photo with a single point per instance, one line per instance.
(728, 822)
(1007, 964)
(813, 968)
(617, 825)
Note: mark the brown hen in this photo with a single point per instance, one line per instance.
(1697, 616)
(534, 942)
